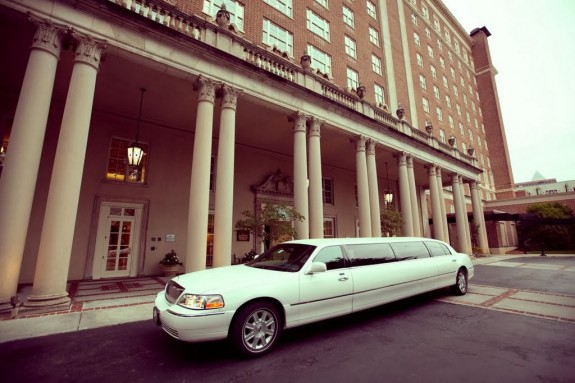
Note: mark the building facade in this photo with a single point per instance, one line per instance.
(322, 105)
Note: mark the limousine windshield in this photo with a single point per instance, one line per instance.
(283, 257)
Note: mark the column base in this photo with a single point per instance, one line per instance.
(46, 303)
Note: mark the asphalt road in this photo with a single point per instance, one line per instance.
(415, 340)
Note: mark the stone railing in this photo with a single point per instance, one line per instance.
(208, 32)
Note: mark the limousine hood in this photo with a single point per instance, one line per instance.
(228, 278)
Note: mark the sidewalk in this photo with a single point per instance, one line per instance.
(94, 304)
(110, 302)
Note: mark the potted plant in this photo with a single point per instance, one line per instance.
(170, 264)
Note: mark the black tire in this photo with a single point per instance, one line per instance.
(255, 328)
(460, 286)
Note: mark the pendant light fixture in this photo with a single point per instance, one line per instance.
(135, 151)
(388, 196)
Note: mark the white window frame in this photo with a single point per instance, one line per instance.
(350, 46)
(348, 16)
(352, 77)
(275, 36)
(371, 10)
(284, 6)
(373, 36)
(317, 24)
(419, 59)
(376, 64)
(425, 103)
(422, 82)
(319, 60)
(379, 94)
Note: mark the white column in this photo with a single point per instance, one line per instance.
(460, 215)
(442, 205)
(315, 181)
(388, 53)
(223, 225)
(478, 218)
(404, 196)
(413, 197)
(466, 221)
(435, 204)
(373, 190)
(300, 180)
(196, 248)
(362, 187)
(425, 229)
(51, 276)
(20, 170)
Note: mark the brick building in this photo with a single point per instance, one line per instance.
(328, 106)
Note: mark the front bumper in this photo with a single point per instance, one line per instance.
(191, 325)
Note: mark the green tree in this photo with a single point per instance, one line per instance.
(540, 235)
(272, 224)
(391, 223)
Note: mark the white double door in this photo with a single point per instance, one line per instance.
(117, 243)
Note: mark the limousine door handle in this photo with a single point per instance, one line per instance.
(342, 277)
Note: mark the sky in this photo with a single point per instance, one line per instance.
(532, 49)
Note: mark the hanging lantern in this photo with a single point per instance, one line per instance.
(135, 151)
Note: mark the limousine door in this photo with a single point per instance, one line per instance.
(328, 294)
(446, 262)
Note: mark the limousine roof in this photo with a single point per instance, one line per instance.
(350, 241)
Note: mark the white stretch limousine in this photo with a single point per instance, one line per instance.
(304, 281)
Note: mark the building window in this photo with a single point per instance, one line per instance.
(379, 94)
(430, 51)
(464, 98)
(348, 16)
(329, 227)
(274, 35)
(416, 39)
(461, 130)
(447, 36)
(319, 60)
(433, 71)
(458, 107)
(327, 189)
(414, 18)
(442, 135)
(451, 122)
(352, 78)
(457, 48)
(425, 105)
(450, 55)
(317, 25)
(323, 3)
(422, 82)
(419, 60)
(376, 64)
(350, 46)
(448, 101)
(439, 113)
(371, 9)
(373, 36)
(118, 168)
(236, 10)
(284, 6)
(436, 92)
(442, 63)
(445, 82)
(424, 11)
(455, 91)
(439, 45)
(436, 25)
(452, 72)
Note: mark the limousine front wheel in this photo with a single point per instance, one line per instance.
(255, 328)
(460, 287)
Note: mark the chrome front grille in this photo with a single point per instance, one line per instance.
(173, 291)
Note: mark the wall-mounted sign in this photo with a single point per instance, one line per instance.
(243, 235)
(170, 238)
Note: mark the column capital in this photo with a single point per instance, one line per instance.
(300, 121)
(371, 146)
(48, 36)
(431, 169)
(360, 142)
(314, 126)
(206, 87)
(455, 177)
(409, 160)
(87, 49)
(229, 96)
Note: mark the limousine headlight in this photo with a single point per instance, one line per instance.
(201, 302)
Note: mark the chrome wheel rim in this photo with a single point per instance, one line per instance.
(259, 330)
(461, 282)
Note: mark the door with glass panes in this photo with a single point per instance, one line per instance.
(117, 243)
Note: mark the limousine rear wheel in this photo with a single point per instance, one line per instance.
(256, 328)
(460, 287)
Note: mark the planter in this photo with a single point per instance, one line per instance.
(170, 270)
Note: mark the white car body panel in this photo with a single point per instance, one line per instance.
(305, 297)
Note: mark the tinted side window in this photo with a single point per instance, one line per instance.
(370, 254)
(332, 257)
(436, 249)
(410, 250)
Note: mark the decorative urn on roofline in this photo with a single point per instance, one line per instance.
(223, 17)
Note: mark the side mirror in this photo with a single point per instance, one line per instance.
(317, 267)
